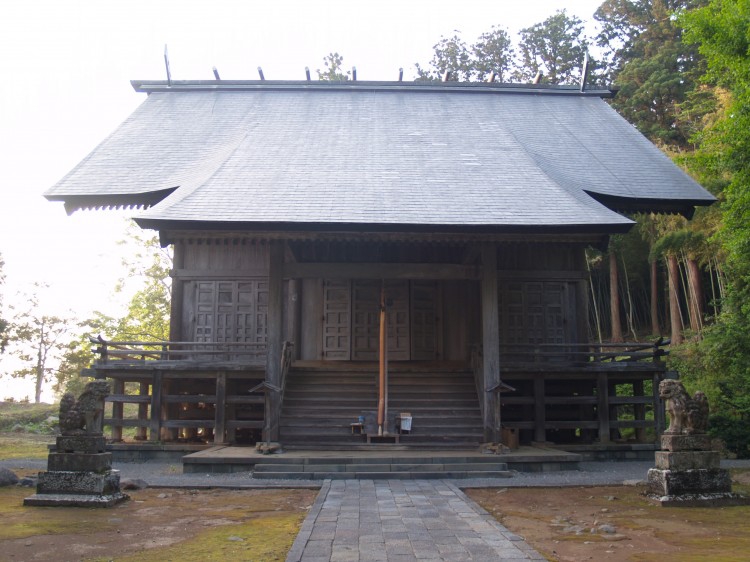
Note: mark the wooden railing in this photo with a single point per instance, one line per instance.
(581, 354)
(134, 352)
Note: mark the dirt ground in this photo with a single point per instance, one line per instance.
(260, 525)
(619, 523)
(156, 524)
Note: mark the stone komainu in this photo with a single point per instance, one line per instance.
(85, 415)
(686, 415)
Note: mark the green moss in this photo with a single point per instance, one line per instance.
(21, 522)
(261, 539)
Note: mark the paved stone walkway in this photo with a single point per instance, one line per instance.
(402, 520)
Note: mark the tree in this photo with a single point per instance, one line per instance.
(333, 69)
(554, 47)
(719, 364)
(492, 52)
(147, 317)
(654, 69)
(3, 322)
(38, 340)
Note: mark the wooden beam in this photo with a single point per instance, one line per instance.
(490, 342)
(379, 271)
(190, 274)
(275, 327)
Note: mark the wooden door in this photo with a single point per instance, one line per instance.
(537, 312)
(337, 319)
(425, 320)
(231, 311)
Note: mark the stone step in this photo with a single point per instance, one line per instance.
(406, 475)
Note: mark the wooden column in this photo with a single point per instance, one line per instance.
(293, 315)
(490, 342)
(220, 417)
(141, 433)
(602, 393)
(154, 429)
(275, 327)
(118, 387)
(660, 420)
(639, 412)
(175, 316)
(540, 412)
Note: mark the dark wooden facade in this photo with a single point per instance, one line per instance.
(518, 306)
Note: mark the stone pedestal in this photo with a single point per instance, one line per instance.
(687, 474)
(79, 474)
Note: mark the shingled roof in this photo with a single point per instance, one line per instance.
(393, 156)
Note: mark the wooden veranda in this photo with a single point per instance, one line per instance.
(562, 394)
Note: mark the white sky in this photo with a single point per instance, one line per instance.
(66, 67)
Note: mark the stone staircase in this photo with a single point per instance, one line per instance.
(401, 468)
(320, 405)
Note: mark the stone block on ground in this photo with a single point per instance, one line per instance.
(7, 477)
(61, 482)
(689, 482)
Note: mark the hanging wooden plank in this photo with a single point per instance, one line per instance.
(379, 271)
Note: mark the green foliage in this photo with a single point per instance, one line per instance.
(720, 364)
(554, 47)
(332, 71)
(147, 317)
(492, 52)
(654, 69)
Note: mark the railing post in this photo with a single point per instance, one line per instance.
(602, 394)
(154, 433)
(220, 418)
(540, 414)
(118, 387)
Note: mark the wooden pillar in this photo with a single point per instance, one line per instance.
(175, 316)
(540, 413)
(220, 415)
(140, 432)
(275, 327)
(293, 315)
(118, 387)
(639, 411)
(602, 394)
(154, 429)
(490, 342)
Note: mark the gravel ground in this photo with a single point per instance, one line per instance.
(159, 474)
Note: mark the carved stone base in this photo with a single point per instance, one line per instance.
(89, 462)
(696, 482)
(687, 460)
(75, 500)
(703, 500)
(77, 489)
(695, 442)
(81, 444)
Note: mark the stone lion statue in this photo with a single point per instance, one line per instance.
(686, 415)
(85, 415)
